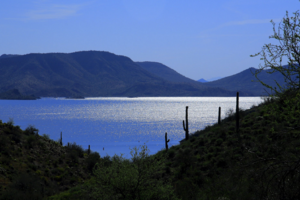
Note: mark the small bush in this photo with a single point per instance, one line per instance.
(16, 137)
(46, 136)
(230, 114)
(30, 141)
(3, 142)
(134, 178)
(75, 149)
(73, 156)
(171, 153)
(10, 122)
(106, 160)
(25, 186)
(31, 130)
(92, 159)
(219, 142)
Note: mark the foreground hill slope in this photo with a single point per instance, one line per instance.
(33, 166)
(261, 161)
(89, 73)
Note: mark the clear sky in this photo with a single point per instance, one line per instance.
(197, 38)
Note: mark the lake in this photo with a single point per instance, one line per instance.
(113, 125)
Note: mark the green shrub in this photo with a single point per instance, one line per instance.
(75, 149)
(188, 190)
(31, 130)
(46, 136)
(73, 156)
(10, 123)
(30, 141)
(47, 171)
(92, 159)
(171, 153)
(25, 187)
(5, 160)
(38, 172)
(219, 141)
(135, 178)
(4, 141)
(57, 178)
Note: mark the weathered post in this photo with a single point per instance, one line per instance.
(219, 117)
(186, 126)
(166, 141)
(89, 150)
(237, 116)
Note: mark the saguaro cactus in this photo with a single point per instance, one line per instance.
(237, 116)
(219, 117)
(186, 126)
(166, 141)
(89, 150)
(60, 141)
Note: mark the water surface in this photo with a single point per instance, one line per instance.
(116, 124)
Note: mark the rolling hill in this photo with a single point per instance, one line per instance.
(246, 81)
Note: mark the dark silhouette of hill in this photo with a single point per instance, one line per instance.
(164, 72)
(171, 75)
(243, 81)
(90, 73)
(14, 94)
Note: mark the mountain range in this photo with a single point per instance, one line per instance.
(104, 74)
(94, 74)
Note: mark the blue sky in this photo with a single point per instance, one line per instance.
(197, 38)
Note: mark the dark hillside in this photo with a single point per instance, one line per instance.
(261, 162)
(33, 166)
(14, 94)
(165, 72)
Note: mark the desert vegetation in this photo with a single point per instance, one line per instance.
(213, 163)
(34, 166)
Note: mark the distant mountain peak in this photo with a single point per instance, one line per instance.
(202, 80)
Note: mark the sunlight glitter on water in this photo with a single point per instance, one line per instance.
(119, 120)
